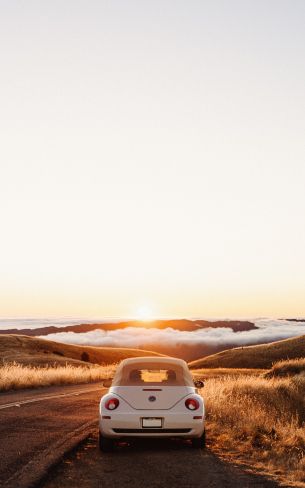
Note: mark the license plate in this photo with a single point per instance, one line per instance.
(151, 422)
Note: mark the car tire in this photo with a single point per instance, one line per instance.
(199, 442)
(105, 444)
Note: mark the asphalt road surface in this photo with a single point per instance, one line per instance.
(38, 427)
(147, 464)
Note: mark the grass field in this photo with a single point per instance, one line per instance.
(207, 373)
(259, 421)
(17, 376)
(262, 356)
(33, 351)
(291, 367)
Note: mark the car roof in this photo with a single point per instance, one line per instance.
(147, 362)
(153, 359)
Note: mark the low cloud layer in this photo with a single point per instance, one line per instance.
(134, 337)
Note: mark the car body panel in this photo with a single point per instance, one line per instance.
(151, 398)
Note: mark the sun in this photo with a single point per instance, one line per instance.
(145, 314)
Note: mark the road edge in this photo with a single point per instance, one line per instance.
(27, 477)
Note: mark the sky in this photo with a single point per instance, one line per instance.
(152, 158)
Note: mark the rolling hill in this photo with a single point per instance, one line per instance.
(39, 352)
(260, 356)
(188, 352)
(178, 324)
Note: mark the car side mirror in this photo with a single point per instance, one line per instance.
(199, 383)
(107, 383)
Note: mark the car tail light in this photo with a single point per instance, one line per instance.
(112, 403)
(192, 404)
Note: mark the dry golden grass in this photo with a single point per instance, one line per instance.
(205, 373)
(262, 356)
(287, 368)
(17, 376)
(259, 422)
(41, 352)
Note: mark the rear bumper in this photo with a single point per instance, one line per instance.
(173, 425)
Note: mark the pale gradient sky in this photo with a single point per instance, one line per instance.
(152, 155)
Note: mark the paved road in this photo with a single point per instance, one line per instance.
(38, 426)
(158, 464)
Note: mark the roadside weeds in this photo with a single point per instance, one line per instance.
(260, 422)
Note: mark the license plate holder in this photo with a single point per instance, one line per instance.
(151, 423)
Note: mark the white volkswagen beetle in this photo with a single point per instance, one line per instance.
(152, 397)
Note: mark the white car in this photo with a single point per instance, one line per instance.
(152, 397)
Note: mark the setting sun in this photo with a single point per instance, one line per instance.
(145, 314)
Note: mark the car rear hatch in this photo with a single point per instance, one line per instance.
(152, 398)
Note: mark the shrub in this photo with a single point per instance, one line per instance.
(85, 357)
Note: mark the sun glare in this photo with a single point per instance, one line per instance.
(144, 314)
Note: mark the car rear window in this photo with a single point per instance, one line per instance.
(152, 374)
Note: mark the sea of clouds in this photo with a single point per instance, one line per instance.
(269, 330)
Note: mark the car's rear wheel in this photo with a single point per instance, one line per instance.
(199, 442)
(105, 444)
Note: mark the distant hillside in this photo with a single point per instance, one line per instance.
(181, 324)
(184, 351)
(39, 352)
(295, 320)
(261, 356)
